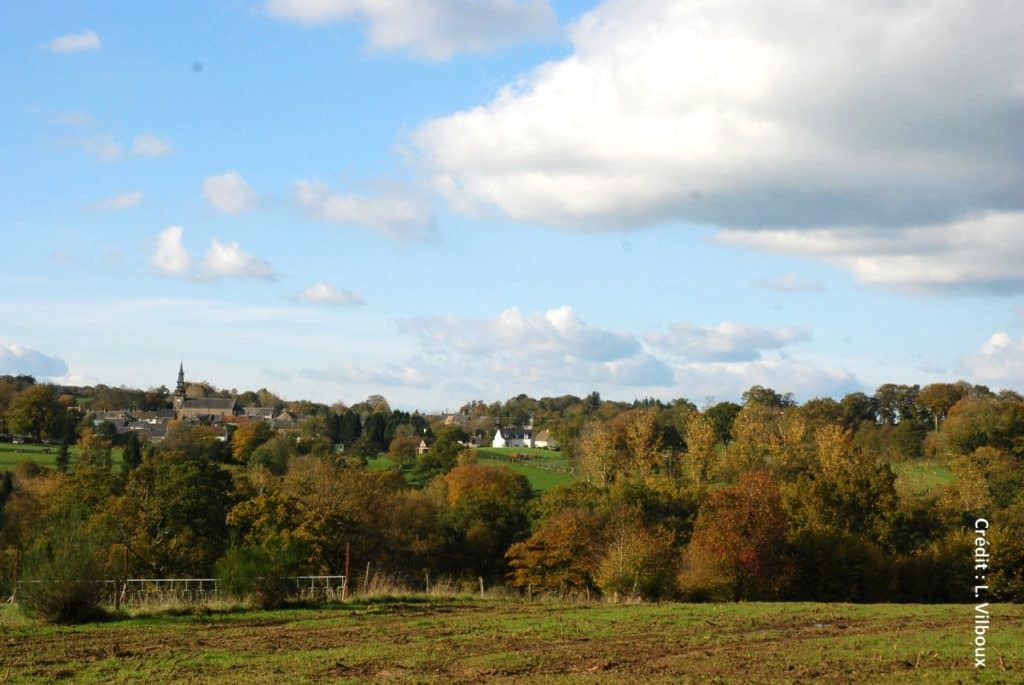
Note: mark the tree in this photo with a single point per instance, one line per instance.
(404, 444)
(738, 542)
(35, 411)
(247, 437)
(64, 455)
(758, 394)
(132, 454)
(638, 561)
(172, 514)
(94, 449)
(563, 555)
(722, 417)
(487, 512)
(700, 447)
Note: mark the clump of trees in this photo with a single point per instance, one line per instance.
(764, 499)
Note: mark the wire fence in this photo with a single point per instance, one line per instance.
(157, 591)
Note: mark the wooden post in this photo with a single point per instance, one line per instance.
(366, 579)
(344, 585)
(427, 574)
(14, 579)
(481, 579)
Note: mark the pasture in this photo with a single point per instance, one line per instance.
(446, 640)
(44, 455)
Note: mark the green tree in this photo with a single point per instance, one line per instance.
(35, 411)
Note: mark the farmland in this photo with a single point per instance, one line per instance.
(445, 640)
(44, 455)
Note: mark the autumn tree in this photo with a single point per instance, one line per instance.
(701, 458)
(247, 437)
(562, 556)
(739, 541)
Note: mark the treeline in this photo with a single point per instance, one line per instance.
(765, 499)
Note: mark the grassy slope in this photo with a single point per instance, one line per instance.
(921, 477)
(11, 455)
(449, 641)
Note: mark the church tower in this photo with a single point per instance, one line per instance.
(179, 389)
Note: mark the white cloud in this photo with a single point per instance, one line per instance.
(150, 145)
(228, 260)
(102, 146)
(789, 283)
(75, 42)
(388, 375)
(725, 342)
(747, 115)
(396, 215)
(326, 294)
(728, 380)
(122, 201)
(978, 253)
(999, 362)
(557, 335)
(170, 257)
(15, 360)
(435, 29)
(228, 192)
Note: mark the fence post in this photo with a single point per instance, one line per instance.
(366, 579)
(481, 579)
(14, 578)
(344, 584)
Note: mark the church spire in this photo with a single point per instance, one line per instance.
(179, 389)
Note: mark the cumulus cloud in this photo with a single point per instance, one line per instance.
(978, 253)
(789, 283)
(15, 360)
(228, 192)
(727, 342)
(326, 294)
(75, 42)
(728, 380)
(557, 334)
(228, 260)
(435, 29)
(170, 256)
(122, 201)
(999, 362)
(396, 215)
(748, 116)
(222, 260)
(150, 145)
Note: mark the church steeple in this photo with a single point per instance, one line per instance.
(179, 389)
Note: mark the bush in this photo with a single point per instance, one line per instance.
(62, 578)
(261, 571)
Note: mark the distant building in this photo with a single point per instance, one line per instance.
(546, 440)
(201, 408)
(513, 437)
(260, 413)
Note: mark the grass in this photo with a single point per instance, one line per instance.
(540, 479)
(919, 478)
(420, 640)
(44, 455)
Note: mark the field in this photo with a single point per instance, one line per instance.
(44, 455)
(541, 479)
(421, 640)
(917, 478)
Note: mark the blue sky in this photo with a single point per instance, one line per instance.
(445, 200)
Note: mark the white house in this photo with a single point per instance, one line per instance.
(513, 437)
(546, 440)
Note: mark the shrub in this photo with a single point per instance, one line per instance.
(261, 571)
(63, 575)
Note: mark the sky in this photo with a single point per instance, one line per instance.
(448, 200)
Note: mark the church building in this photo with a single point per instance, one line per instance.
(204, 409)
